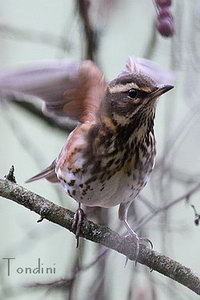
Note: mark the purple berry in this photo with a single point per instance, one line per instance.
(165, 26)
(165, 13)
(163, 3)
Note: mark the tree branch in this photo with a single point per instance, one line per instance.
(100, 234)
(91, 35)
(37, 112)
(34, 36)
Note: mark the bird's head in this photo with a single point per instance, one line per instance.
(134, 93)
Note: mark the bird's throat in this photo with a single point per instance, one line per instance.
(111, 137)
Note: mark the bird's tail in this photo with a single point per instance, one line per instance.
(48, 173)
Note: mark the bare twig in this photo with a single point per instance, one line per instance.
(150, 48)
(11, 176)
(91, 35)
(166, 206)
(196, 216)
(37, 112)
(67, 283)
(34, 36)
(100, 234)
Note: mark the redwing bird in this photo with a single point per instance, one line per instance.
(108, 158)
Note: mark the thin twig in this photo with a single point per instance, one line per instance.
(37, 112)
(91, 35)
(11, 176)
(34, 36)
(164, 207)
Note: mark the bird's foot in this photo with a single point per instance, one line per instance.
(132, 235)
(77, 222)
(137, 241)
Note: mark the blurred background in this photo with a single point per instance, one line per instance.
(107, 31)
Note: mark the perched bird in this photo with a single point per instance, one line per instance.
(108, 158)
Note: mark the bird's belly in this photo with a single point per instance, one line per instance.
(93, 192)
(107, 191)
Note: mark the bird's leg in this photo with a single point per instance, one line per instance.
(123, 210)
(77, 222)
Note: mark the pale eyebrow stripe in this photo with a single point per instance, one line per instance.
(125, 88)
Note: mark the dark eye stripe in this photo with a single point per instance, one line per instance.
(143, 94)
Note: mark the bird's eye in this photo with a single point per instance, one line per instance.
(133, 93)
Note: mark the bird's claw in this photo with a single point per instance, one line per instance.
(137, 241)
(77, 222)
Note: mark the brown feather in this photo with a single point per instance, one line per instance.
(48, 173)
(84, 100)
(71, 89)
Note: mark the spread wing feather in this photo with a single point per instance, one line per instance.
(72, 89)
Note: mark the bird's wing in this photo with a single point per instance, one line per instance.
(72, 89)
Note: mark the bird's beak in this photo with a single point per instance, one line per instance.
(161, 90)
